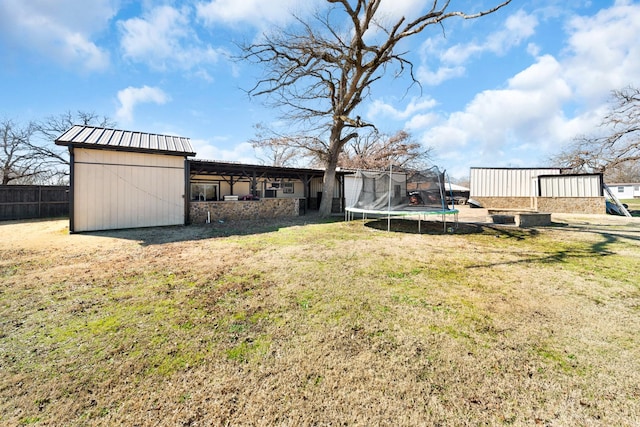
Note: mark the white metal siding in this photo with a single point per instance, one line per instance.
(571, 186)
(629, 190)
(494, 182)
(115, 189)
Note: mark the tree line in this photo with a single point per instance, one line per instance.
(28, 154)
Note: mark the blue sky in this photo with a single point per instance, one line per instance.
(510, 89)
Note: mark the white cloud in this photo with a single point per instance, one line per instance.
(163, 39)
(258, 13)
(210, 150)
(379, 109)
(526, 116)
(130, 97)
(61, 31)
(603, 52)
(395, 9)
(516, 29)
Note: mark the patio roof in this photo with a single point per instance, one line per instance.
(242, 170)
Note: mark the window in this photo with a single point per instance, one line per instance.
(204, 192)
(620, 189)
(287, 188)
(636, 188)
(396, 191)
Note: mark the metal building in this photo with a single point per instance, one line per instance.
(123, 179)
(507, 182)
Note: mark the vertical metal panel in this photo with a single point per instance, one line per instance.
(506, 182)
(123, 190)
(571, 186)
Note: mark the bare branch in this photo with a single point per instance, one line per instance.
(318, 73)
(618, 148)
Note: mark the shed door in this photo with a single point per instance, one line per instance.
(114, 189)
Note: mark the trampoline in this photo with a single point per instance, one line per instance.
(415, 195)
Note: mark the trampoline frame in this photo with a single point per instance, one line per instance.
(349, 215)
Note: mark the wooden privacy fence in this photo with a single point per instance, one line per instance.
(33, 201)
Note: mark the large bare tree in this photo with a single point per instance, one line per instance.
(376, 151)
(617, 147)
(320, 70)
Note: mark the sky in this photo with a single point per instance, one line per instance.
(510, 89)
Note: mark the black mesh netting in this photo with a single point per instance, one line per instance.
(414, 191)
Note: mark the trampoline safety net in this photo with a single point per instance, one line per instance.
(417, 194)
(416, 191)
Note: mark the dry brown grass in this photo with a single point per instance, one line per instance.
(321, 324)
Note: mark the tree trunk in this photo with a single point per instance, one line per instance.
(331, 163)
(328, 185)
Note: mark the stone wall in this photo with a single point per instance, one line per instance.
(525, 203)
(241, 209)
(579, 205)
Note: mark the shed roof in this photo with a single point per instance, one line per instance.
(123, 140)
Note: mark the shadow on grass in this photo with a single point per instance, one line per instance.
(596, 250)
(171, 234)
(461, 228)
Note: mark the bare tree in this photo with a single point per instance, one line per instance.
(377, 151)
(623, 173)
(54, 158)
(318, 74)
(18, 164)
(275, 149)
(619, 145)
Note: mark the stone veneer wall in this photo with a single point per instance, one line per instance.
(505, 202)
(241, 209)
(580, 205)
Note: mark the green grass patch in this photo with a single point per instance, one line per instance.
(331, 323)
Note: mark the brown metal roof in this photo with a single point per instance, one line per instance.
(123, 140)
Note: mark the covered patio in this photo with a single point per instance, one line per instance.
(224, 190)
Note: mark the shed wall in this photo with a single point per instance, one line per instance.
(571, 186)
(115, 189)
(497, 182)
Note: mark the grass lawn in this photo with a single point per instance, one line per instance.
(327, 323)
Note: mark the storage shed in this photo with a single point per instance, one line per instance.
(538, 189)
(123, 179)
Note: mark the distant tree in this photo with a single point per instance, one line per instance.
(54, 158)
(463, 181)
(319, 72)
(618, 147)
(376, 151)
(275, 149)
(623, 173)
(18, 163)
